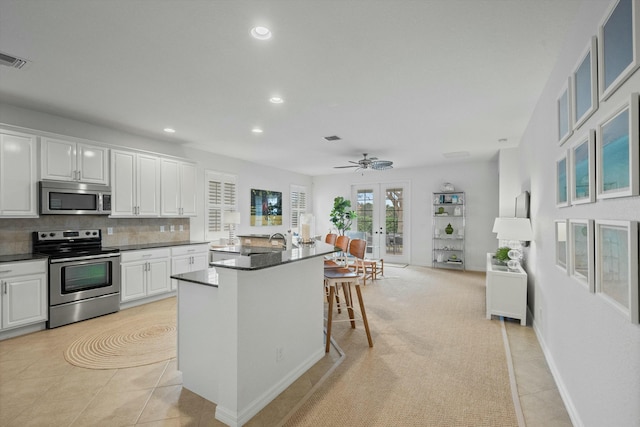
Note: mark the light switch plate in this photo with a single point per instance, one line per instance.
(109, 231)
(162, 228)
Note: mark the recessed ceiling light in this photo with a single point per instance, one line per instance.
(276, 100)
(261, 33)
(169, 130)
(256, 130)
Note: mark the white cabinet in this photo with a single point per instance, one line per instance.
(144, 273)
(74, 161)
(185, 259)
(506, 291)
(135, 184)
(18, 174)
(448, 230)
(23, 293)
(178, 183)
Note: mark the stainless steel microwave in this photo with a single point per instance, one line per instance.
(74, 198)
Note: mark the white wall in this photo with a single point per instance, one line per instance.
(479, 181)
(250, 175)
(592, 349)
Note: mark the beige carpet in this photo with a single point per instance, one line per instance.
(142, 339)
(436, 360)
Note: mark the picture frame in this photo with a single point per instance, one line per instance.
(584, 100)
(582, 164)
(618, 46)
(563, 106)
(266, 208)
(560, 228)
(616, 265)
(562, 182)
(581, 252)
(617, 148)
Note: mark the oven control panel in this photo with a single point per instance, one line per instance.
(68, 234)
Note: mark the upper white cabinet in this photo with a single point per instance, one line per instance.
(18, 174)
(135, 184)
(74, 161)
(178, 183)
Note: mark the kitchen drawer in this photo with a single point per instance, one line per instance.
(130, 256)
(189, 249)
(22, 268)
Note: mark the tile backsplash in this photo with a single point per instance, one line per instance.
(16, 234)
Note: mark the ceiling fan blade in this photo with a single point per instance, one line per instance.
(342, 167)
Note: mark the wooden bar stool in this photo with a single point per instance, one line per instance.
(334, 277)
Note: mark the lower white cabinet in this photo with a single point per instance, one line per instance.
(506, 291)
(144, 273)
(23, 293)
(185, 259)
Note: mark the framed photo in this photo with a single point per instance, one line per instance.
(564, 113)
(266, 208)
(561, 243)
(581, 252)
(618, 46)
(562, 182)
(617, 265)
(582, 161)
(617, 152)
(584, 101)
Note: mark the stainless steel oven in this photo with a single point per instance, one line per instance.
(84, 278)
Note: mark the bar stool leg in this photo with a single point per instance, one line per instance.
(364, 315)
(346, 288)
(329, 319)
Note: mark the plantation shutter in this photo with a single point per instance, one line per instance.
(298, 199)
(221, 198)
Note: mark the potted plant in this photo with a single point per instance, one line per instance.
(341, 216)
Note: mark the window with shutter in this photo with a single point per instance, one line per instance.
(298, 197)
(221, 198)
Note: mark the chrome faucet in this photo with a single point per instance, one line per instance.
(279, 236)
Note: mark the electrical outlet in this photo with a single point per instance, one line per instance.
(172, 228)
(162, 228)
(279, 354)
(109, 231)
(181, 227)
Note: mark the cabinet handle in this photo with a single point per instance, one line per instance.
(4, 287)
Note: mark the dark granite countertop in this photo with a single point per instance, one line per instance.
(256, 261)
(21, 257)
(141, 246)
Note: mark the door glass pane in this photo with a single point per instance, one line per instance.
(364, 212)
(394, 220)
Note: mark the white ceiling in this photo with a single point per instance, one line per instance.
(403, 80)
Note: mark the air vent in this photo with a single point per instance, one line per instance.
(455, 154)
(332, 138)
(12, 61)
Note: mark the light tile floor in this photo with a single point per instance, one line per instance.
(39, 388)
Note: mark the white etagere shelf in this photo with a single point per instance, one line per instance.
(448, 230)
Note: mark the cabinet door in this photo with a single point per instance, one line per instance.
(58, 159)
(179, 265)
(18, 175)
(122, 183)
(169, 184)
(25, 300)
(148, 185)
(158, 276)
(200, 261)
(93, 164)
(133, 285)
(187, 189)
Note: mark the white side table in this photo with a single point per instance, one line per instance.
(506, 291)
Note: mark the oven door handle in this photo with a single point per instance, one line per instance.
(84, 258)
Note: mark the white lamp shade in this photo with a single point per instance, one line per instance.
(513, 229)
(232, 218)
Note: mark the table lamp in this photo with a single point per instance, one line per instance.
(232, 219)
(515, 230)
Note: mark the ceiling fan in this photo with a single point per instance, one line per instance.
(368, 163)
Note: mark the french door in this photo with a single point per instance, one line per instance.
(382, 213)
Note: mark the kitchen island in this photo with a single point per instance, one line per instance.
(248, 327)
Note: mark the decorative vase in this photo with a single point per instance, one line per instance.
(440, 210)
(449, 229)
